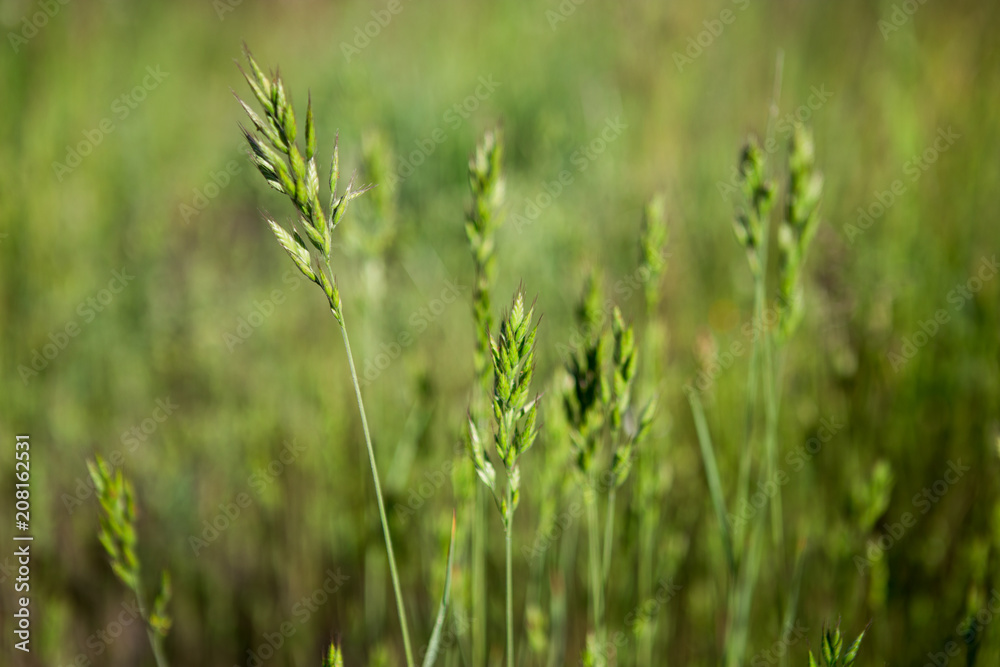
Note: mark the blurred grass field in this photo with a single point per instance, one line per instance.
(206, 325)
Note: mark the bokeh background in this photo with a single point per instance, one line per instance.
(205, 356)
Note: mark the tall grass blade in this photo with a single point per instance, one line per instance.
(712, 473)
(434, 644)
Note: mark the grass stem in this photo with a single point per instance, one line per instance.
(510, 584)
(155, 641)
(609, 533)
(596, 589)
(378, 495)
(479, 576)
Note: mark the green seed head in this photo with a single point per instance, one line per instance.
(287, 170)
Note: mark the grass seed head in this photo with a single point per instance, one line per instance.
(805, 187)
(515, 413)
(751, 223)
(117, 499)
(587, 398)
(333, 657)
(287, 170)
(652, 245)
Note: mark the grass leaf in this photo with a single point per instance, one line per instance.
(434, 645)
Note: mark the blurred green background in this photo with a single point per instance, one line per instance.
(205, 355)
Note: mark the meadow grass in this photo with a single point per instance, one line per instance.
(844, 386)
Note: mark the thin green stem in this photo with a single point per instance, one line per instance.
(596, 592)
(563, 576)
(378, 495)
(155, 641)
(609, 534)
(741, 601)
(712, 476)
(647, 527)
(648, 488)
(481, 311)
(770, 372)
(771, 445)
(743, 490)
(793, 599)
(510, 583)
(479, 576)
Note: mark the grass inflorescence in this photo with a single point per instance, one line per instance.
(608, 429)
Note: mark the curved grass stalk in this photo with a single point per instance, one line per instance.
(394, 573)
(294, 174)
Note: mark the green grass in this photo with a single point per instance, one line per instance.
(219, 323)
